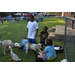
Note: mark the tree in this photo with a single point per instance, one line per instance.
(3, 14)
(52, 12)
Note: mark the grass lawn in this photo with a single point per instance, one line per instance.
(15, 31)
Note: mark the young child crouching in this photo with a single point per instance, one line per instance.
(49, 52)
(23, 47)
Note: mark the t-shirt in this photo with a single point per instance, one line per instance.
(41, 16)
(44, 34)
(50, 51)
(26, 41)
(32, 26)
(10, 16)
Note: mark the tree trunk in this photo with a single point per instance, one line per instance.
(74, 14)
(21, 13)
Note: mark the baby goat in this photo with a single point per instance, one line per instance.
(5, 44)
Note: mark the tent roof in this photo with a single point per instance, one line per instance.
(32, 13)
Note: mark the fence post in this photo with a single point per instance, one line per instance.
(65, 37)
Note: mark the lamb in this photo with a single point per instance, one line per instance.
(5, 44)
(31, 46)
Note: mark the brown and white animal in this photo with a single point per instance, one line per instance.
(5, 44)
(31, 46)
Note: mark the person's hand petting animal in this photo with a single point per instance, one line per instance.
(40, 50)
(37, 47)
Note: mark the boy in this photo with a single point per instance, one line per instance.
(23, 47)
(2, 21)
(32, 30)
(43, 36)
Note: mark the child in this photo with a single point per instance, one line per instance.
(43, 36)
(2, 21)
(32, 30)
(23, 47)
(49, 53)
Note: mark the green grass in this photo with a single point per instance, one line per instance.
(15, 31)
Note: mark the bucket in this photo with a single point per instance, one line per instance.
(58, 49)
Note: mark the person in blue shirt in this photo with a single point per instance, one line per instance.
(41, 17)
(10, 16)
(49, 52)
(7, 18)
(23, 47)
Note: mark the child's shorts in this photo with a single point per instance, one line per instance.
(32, 41)
(47, 58)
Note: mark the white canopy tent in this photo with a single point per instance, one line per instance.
(18, 14)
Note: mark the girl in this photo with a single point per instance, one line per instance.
(2, 21)
(49, 53)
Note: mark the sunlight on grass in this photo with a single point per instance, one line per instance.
(15, 31)
(2, 32)
(18, 24)
(3, 26)
(53, 22)
(8, 33)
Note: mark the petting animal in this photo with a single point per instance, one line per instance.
(31, 46)
(5, 44)
(13, 55)
(36, 58)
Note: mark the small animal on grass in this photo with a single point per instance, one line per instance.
(31, 46)
(17, 44)
(5, 44)
(13, 55)
(36, 58)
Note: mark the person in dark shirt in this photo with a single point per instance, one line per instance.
(43, 36)
(13, 15)
(2, 20)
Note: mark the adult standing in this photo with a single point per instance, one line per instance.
(13, 16)
(10, 16)
(7, 18)
(41, 17)
(28, 15)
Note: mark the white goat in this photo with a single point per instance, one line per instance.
(5, 44)
(31, 46)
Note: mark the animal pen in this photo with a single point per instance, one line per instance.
(69, 39)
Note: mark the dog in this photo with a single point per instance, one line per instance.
(31, 46)
(5, 44)
(36, 58)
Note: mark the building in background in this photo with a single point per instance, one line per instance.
(66, 14)
(69, 14)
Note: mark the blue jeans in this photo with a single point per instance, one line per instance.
(32, 41)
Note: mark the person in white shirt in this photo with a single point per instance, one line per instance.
(32, 30)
